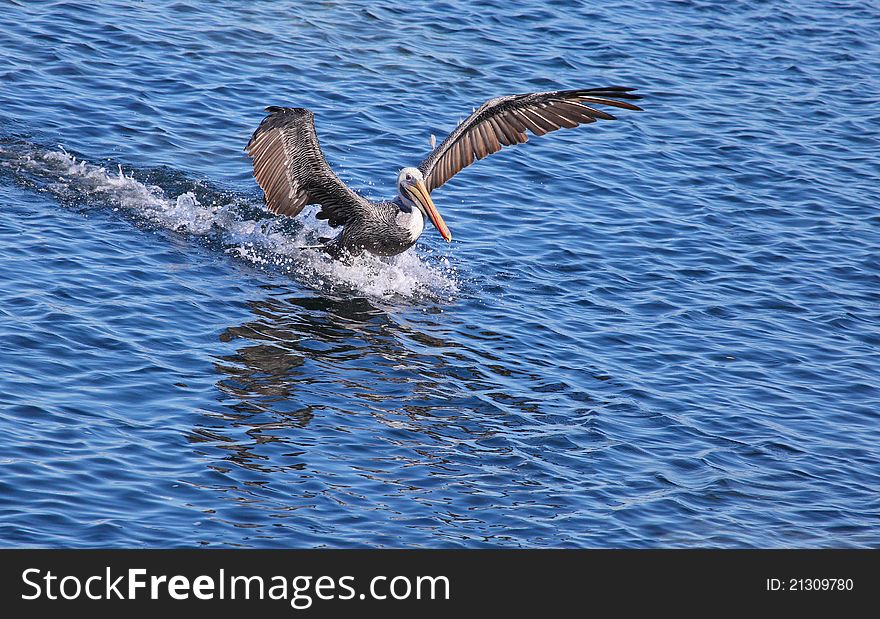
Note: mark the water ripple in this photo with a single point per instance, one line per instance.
(657, 331)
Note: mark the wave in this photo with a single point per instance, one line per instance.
(231, 222)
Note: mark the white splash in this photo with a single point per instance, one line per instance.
(262, 243)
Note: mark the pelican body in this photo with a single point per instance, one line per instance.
(290, 167)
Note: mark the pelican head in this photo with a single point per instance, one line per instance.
(414, 193)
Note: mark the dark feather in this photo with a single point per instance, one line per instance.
(504, 121)
(291, 169)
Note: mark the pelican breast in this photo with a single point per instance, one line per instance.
(412, 222)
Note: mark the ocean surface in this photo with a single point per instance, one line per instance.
(662, 331)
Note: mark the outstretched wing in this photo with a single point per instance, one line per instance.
(504, 120)
(291, 170)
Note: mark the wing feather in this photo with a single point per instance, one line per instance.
(503, 121)
(290, 168)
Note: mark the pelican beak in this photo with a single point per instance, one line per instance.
(420, 193)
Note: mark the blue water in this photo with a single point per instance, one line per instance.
(658, 331)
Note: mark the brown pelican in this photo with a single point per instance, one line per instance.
(291, 170)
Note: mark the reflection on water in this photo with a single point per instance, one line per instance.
(321, 390)
(302, 356)
(297, 345)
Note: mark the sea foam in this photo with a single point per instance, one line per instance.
(269, 242)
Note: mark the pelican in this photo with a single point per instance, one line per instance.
(292, 172)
